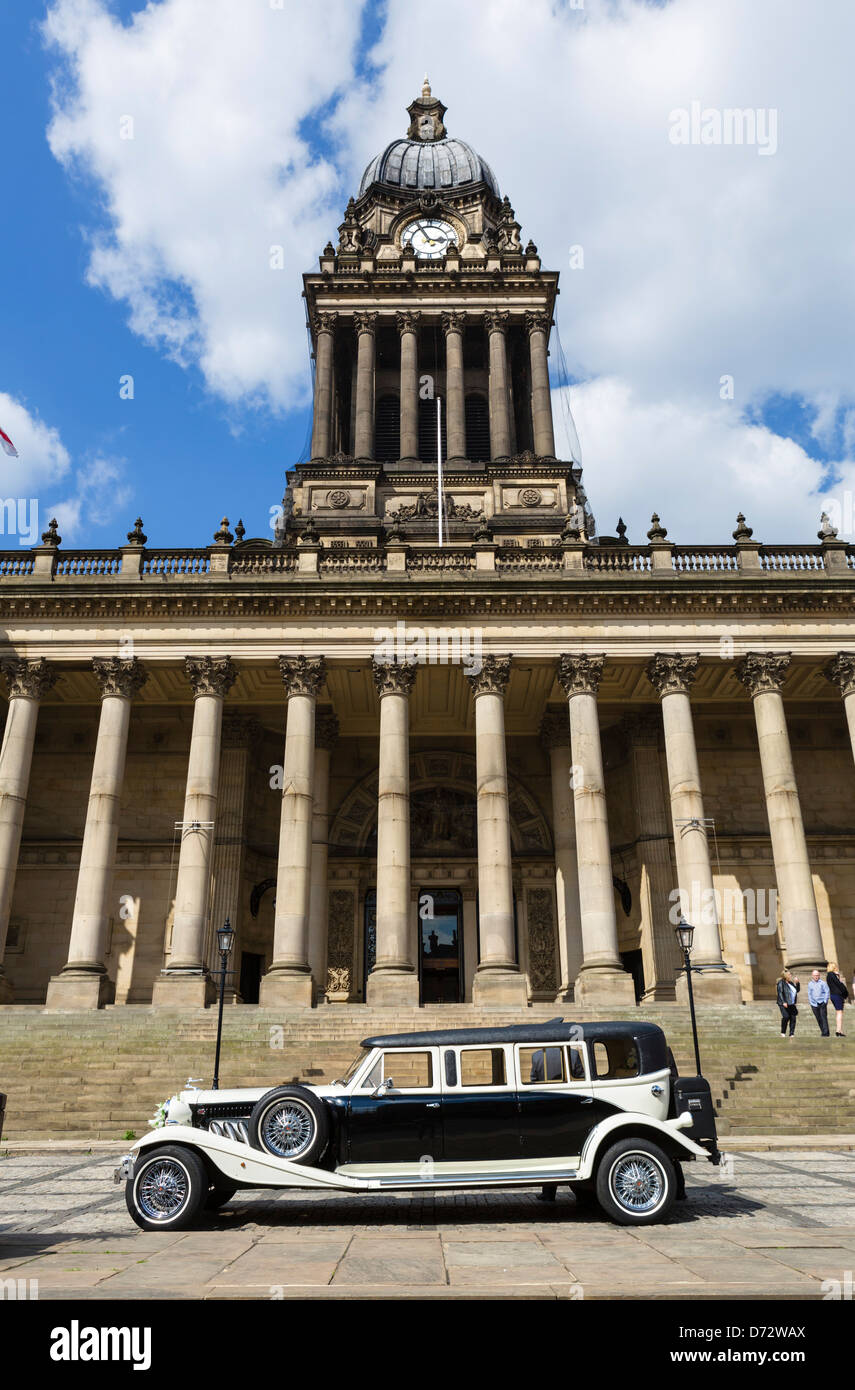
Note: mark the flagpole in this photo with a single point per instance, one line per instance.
(439, 468)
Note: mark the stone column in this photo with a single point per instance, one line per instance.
(762, 674)
(241, 733)
(365, 324)
(496, 323)
(538, 325)
(28, 682)
(185, 981)
(394, 979)
(453, 322)
(672, 674)
(602, 979)
(289, 979)
(653, 848)
(326, 737)
(498, 979)
(555, 737)
(324, 326)
(83, 982)
(841, 672)
(408, 327)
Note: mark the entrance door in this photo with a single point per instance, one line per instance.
(632, 963)
(441, 945)
(250, 976)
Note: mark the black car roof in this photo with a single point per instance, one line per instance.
(556, 1030)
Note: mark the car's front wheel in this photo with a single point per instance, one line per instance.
(636, 1183)
(290, 1122)
(168, 1188)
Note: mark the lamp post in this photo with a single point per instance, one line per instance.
(225, 941)
(684, 932)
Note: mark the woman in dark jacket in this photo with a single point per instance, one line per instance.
(838, 993)
(786, 993)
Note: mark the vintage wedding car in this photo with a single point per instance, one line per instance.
(597, 1107)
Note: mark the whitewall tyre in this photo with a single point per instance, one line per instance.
(168, 1188)
(290, 1122)
(636, 1183)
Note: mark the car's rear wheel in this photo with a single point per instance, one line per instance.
(636, 1183)
(290, 1122)
(167, 1190)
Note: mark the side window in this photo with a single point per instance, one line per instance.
(576, 1060)
(616, 1059)
(541, 1065)
(408, 1070)
(483, 1066)
(374, 1077)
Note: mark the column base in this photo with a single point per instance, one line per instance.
(282, 987)
(87, 989)
(664, 993)
(388, 988)
(565, 995)
(804, 967)
(500, 987)
(710, 987)
(596, 987)
(183, 991)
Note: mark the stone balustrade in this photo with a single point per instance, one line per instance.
(572, 560)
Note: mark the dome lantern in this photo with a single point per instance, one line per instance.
(426, 158)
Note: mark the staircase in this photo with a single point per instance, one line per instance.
(101, 1075)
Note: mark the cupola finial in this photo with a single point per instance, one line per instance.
(426, 91)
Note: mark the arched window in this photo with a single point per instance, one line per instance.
(387, 432)
(477, 427)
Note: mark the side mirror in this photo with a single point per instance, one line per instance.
(385, 1087)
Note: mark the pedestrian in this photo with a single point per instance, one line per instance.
(818, 997)
(786, 993)
(838, 993)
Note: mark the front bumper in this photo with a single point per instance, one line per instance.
(125, 1170)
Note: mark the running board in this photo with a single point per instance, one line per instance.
(525, 1178)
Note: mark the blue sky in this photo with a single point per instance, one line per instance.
(699, 263)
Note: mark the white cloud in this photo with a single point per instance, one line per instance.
(699, 261)
(37, 479)
(216, 173)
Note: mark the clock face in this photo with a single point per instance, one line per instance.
(429, 237)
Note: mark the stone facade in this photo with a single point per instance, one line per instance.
(429, 743)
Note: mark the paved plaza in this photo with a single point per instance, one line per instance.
(766, 1226)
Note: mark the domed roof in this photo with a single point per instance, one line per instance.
(426, 158)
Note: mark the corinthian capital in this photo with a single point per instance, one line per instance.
(454, 320)
(30, 679)
(393, 677)
(580, 675)
(493, 676)
(408, 320)
(210, 675)
(365, 321)
(763, 673)
(302, 675)
(672, 673)
(326, 729)
(496, 320)
(324, 321)
(119, 675)
(841, 672)
(536, 321)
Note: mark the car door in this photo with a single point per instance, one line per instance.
(403, 1125)
(556, 1099)
(480, 1122)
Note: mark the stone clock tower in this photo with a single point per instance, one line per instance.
(431, 293)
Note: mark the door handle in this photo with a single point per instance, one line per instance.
(432, 1105)
(587, 1100)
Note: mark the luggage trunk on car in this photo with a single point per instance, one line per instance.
(692, 1096)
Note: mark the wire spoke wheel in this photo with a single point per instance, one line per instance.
(163, 1189)
(288, 1128)
(637, 1182)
